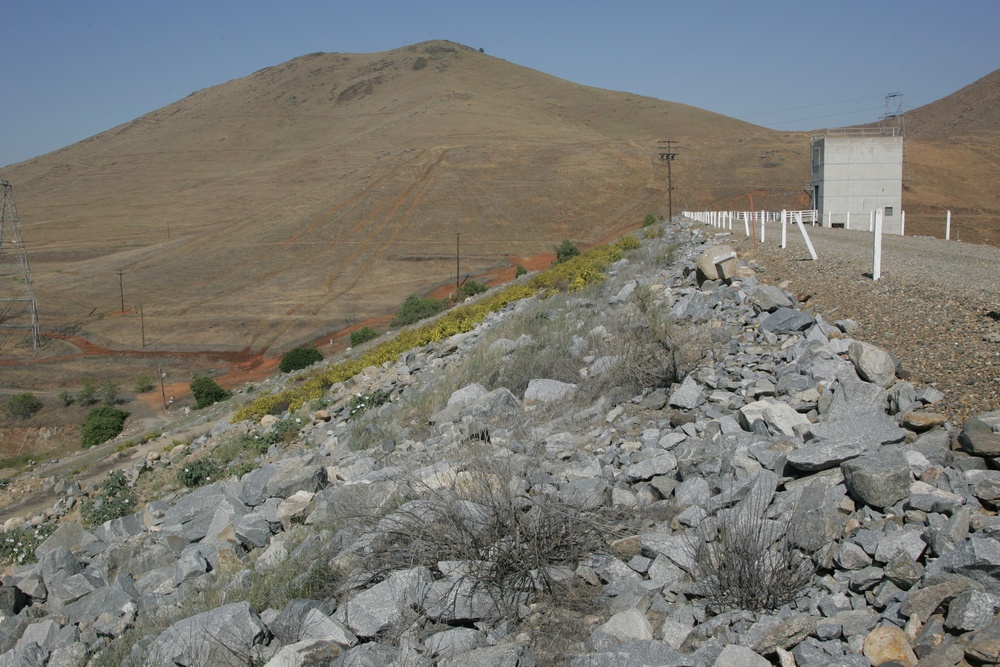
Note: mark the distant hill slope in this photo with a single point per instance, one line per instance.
(271, 209)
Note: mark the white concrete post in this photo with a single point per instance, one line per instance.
(877, 255)
(762, 226)
(847, 226)
(746, 224)
(871, 221)
(947, 227)
(829, 219)
(784, 230)
(802, 229)
(902, 223)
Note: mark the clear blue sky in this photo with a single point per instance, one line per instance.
(73, 68)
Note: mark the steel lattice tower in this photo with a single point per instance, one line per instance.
(17, 295)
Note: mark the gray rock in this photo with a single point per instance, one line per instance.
(978, 558)
(717, 262)
(625, 626)
(224, 636)
(787, 320)
(503, 655)
(852, 557)
(971, 610)
(739, 656)
(816, 522)
(822, 454)
(296, 475)
(451, 643)
(769, 298)
(979, 438)
(907, 541)
(254, 483)
(652, 467)
(252, 530)
(872, 363)
(852, 395)
(867, 429)
(779, 416)
(547, 391)
(634, 654)
(689, 395)
(879, 480)
(68, 535)
(317, 626)
(380, 607)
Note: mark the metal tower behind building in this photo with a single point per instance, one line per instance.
(18, 307)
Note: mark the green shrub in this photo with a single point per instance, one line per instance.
(22, 406)
(650, 219)
(206, 391)
(17, 546)
(363, 336)
(102, 424)
(66, 398)
(199, 472)
(299, 358)
(470, 288)
(143, 384)
(566, 251)
(519, 271)
(87, 393)
(115, 500)
(416, 308)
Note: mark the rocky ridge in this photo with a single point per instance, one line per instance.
(594, 525)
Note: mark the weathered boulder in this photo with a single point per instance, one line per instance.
(224, 636)
(873, 364)
(878, 480)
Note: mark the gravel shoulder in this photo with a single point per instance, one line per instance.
(936, 306)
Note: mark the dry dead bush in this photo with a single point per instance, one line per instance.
(746, 559)
(507, 544)
(653, 351)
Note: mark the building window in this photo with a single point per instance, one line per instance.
(888, 211)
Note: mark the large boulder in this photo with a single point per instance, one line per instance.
(718, 262)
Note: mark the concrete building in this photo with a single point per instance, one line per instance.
(856, 171)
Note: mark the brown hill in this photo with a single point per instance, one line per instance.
(276, 208)
(271, 209)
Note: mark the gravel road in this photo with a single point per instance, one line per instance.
(936, 306)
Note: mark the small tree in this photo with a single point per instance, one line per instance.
(88, 392)
(299, 358)
(566, 251)
(66, 398)
(471, 288)
(102, 424)
(109, 392)
(143, 384)
(22, 406)
(519, 271)
(363, 335)
(206, 391)
(650, 219)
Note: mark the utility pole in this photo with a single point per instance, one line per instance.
(668, 154)
(121, 287)
(458, 265)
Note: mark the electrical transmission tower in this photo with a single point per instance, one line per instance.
(893, 121)
(18, 308)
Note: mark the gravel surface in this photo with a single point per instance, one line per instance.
(936, 306)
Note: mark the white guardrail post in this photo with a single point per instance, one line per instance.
(784, 229)
(802, 229)
(947, 227)
(877, 254)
